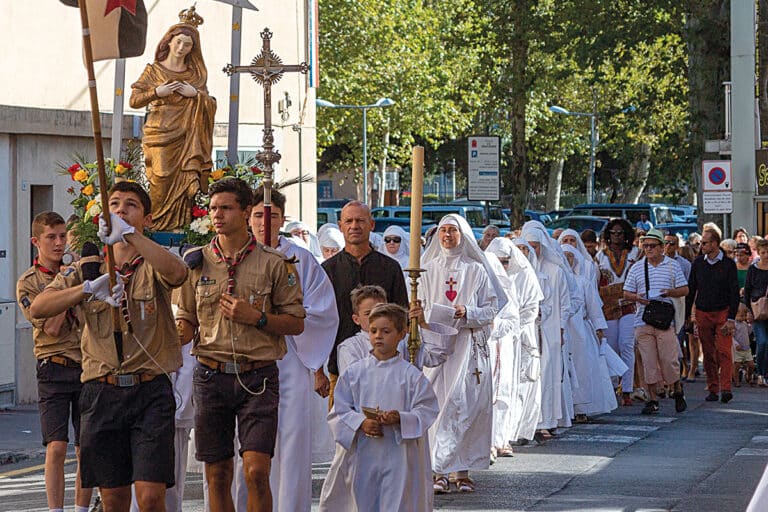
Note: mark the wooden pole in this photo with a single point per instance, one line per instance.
(414, 261)
(96, 121)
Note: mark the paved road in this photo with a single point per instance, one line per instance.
(707, 459)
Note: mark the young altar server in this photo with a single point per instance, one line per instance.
(382, 410)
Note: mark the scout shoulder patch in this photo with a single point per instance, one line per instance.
(291, 268)
(205, 281)
(26, 302)
(67, 271)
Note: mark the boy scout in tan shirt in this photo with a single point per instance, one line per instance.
(57, 350)
(243, 298)
(128, 420)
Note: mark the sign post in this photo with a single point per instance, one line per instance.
(717, 188)
(483, 176)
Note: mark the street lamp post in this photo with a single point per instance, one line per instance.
(592, 143)
(592, 140)
(382, 102)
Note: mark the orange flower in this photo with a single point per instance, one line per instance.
(217, 174)
(87, 190)
(80, 176)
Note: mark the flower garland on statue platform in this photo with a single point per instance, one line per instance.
(200, 230)
(87, 195)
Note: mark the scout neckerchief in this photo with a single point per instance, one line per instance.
(232, 263)
(45, 270)
(618, 267)
(127, 270)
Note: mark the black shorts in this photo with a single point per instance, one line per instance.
(127, 434)
(58, 389)
(220, 399)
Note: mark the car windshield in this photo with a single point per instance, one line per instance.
(579, 224)
(663, 215)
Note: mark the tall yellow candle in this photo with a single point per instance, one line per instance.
(417, 196)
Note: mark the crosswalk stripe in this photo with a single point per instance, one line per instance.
(762, 452)
(760, 439)
(611, 426)
(642, 419)
(597, 438)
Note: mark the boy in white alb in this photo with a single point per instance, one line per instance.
(383, 409)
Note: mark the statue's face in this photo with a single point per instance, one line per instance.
(181, 45)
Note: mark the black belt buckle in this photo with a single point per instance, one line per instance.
(231, 368)
(125, 381)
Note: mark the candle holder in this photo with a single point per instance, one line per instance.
(414, 340)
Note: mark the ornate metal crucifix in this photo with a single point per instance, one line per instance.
(267, 69)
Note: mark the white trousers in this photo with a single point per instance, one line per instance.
(621, 338)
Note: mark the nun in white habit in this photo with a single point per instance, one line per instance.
(556, 399)
(300, 230)
(397, 250)
(587, 327)
(590, 271)
(522, 263)
(331, 241)
(505, 351)
(461, 290)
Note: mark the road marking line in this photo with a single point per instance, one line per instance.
(632, 419)
(762, 452)
(31, 469)
(597, 438)
(613, 426)
(760, 439)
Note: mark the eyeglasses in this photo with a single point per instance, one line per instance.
(650, 246)
(392, 239)
(670, 242)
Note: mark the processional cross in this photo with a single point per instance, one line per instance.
(267, 69)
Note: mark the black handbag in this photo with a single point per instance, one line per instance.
(657, 314)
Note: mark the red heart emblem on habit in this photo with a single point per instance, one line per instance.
(451, 294)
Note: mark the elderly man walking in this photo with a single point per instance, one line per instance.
(714, 289)
(653, 282)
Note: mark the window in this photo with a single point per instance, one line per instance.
(475, 218)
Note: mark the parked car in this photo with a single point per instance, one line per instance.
(556, 214)
(382, 223)
(658, 214)
(531, 215)
(492, 213)
(579, 223)
(684, 213)
(434, 212)
(326, 215)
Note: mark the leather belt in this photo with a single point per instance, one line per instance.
(126, 380)
(628, 309)
(232, 367)
(63, 361)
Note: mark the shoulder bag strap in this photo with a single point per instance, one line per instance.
(647, 285)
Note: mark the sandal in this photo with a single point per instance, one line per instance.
(465, 485)
(505, 452)
(441, 485)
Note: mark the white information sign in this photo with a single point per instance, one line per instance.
(717, 202)
(716, 176)
(483, 174)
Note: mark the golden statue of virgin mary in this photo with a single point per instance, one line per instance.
(178, 132)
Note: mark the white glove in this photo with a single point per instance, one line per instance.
(120, 228)
(99, 288)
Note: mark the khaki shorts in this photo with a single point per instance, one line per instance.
(742, 356)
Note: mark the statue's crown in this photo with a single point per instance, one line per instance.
(190, 17)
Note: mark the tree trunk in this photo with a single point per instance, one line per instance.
(708, 33)
(554, 184)
(518, 102)
(637, 177)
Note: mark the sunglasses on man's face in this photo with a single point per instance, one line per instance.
(392, 239)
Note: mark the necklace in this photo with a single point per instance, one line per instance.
(618, 267)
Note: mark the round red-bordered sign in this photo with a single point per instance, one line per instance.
(717, 175)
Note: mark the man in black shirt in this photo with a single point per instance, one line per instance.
(359, 264)
(714, 289)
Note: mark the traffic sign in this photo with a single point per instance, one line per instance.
(716, 176)
(483, 174)
(717, 202)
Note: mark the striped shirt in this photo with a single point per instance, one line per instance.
(666, 275)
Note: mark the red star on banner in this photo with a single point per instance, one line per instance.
(128, 5)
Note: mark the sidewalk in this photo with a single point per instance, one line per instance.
(20, 434)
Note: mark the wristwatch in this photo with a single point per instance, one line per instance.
(262, 321)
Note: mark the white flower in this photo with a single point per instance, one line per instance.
(94, 210)
(203, 225)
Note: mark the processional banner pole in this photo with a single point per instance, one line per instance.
(96, 121)
(414, 262)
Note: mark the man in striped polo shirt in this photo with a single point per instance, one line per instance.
(658, 347)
